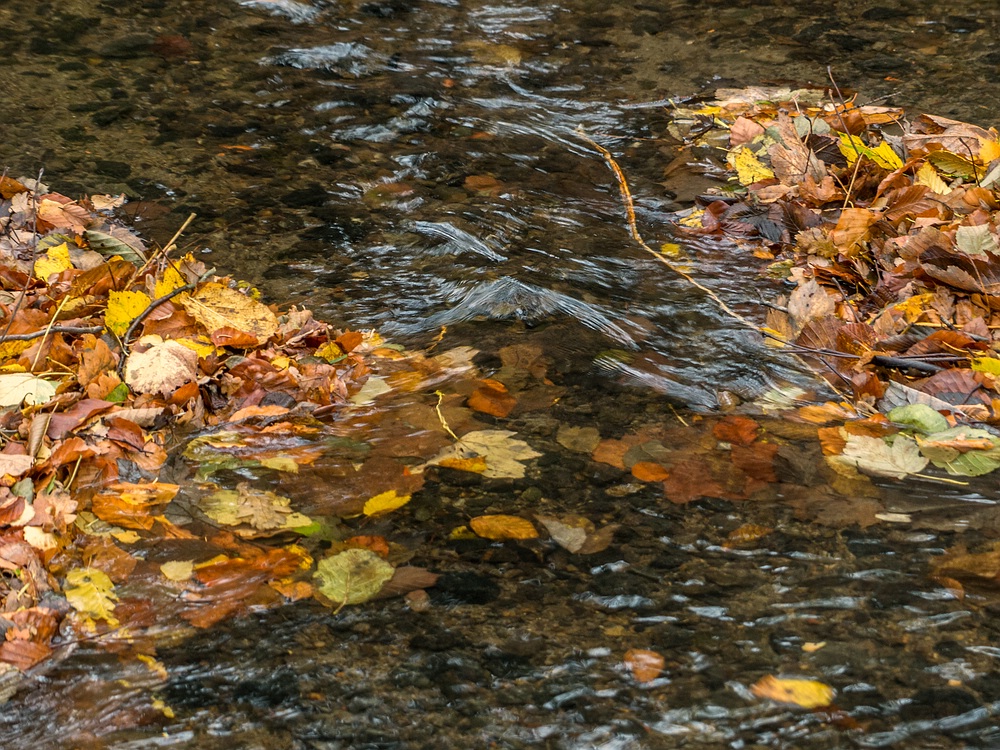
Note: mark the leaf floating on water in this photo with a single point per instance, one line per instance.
(502, 453)
(876, 456)
(503, 527)
(353, 576)
(90, 592)
(800, 692)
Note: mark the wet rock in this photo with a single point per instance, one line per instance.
(464, 588)
(117, 169)
(938, 703)
(128, 47)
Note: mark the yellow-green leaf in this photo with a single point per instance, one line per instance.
(123, 308)
(385, 502)
(90, 592)
(177, 570)
(986, 364)
(883, 155)
(352, 576)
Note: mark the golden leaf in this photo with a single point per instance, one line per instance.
(385, 502)
(170, 281)
(503, 527)
(749, 168)
(927, 175)
(216, 306)
(805, 693)
(177, 570)
(55, 260)
(123, 308)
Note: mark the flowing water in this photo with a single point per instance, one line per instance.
(417, 166)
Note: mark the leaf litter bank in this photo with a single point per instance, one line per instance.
(885, 229)
(111, 358)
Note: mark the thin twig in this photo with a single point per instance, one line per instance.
(53, 329)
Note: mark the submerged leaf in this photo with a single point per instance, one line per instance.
(502, 453)
(875, 456)
(353, 576)
(805, 693)
(91, 593)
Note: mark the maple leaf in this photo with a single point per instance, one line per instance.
(501, 453)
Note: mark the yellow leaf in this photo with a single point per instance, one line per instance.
(330, 352)
(90, 592)
(123, 308)
(748, 167)
(671, 249)
(177, 570)
(851, 146)
(153, 665)
(693, 219)
(11, 349)
(200, 346)
(170, 280)
(989, 365)
(989, 149)
(805, 693)
(927, 175)
(55, 260)
(385, 502)
(503, 527)
(217, 306)
(915, 306)
(475, 464)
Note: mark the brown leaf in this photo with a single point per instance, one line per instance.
(736, 429)
(647, 471)
(492, 397)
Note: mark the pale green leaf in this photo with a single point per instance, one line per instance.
(353, 576)
(920, 417)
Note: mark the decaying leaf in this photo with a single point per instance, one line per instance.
(876, 456)
(578, 534)
(162, 368)
(261, 510)
(353, 576)
(22, 387)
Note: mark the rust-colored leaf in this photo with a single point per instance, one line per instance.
(736, 429)
(492, 397)
(647, 471)
(644, 665)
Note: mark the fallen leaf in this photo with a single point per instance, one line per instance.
(262, 510)
(800, 692)
(216, 307)
(503, 527)
(385, 502)
(644, 665)
(353, 576)
(123, 308)
(22, 387)
(503, 454)
(492, 397)
(90, 592)
(55, 260)
(162, 368)
(177, 570)
(647, 471)
(875, 456)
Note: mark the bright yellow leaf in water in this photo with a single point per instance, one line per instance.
(385, 502)
(748, 167)
(503, 527)
(123, 308)
(90, 592)
(805, 693)
(55, 260)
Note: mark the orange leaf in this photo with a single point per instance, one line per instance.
(644, 665)
(503, 527)
(736, 429)
(349, 340)
(491, 397)
(647, 471)
(376, 544)
(748, 532)
(475, 464)
(229, 336)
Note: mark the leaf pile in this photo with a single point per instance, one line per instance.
(887, 230)
(111, 355)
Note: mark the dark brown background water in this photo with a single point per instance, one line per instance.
(327, 150)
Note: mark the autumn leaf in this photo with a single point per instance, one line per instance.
(876, 456)
(55, 260)
(503, 527)
(90, 592)
(800, 692)
(21, 387)
(262, 510)
(177, 570)
(385, 502)
(216, 306)
(502, 453)
(352, 577)
(492, 397)
(123, 308)
(644, 665)
(162, 368)
(749, 168)
(168, 282)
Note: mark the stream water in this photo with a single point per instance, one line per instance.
(416, 166)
